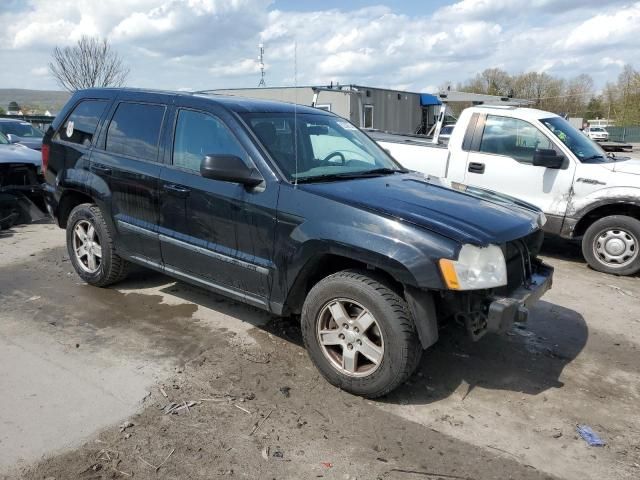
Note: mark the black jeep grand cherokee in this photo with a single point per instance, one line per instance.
(293, 210)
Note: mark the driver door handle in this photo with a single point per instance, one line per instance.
(476, 167)
(177, 190)
(99, 168)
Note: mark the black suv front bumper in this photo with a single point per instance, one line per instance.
(503, 311)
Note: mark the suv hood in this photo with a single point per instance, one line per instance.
(19, 154)
(473, 216)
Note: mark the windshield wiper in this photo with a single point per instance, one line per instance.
(346, 175)
(592, 157)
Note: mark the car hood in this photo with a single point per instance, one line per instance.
(35, 143)
(19, 154)
(625, 165)
(467, 215)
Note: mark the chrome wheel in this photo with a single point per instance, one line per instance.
(350, 337)
(615, 247)
(86, 246)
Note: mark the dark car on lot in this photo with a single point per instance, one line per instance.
(19, 131)
(21, 199)
(295, 211)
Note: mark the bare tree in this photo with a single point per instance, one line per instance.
(89, 63)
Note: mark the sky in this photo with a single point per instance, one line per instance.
(413, 45)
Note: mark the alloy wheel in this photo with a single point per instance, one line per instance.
(86, 246)
(350, 337)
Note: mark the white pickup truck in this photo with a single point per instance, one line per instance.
(537, 156)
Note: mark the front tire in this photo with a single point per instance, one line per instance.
(90, 247)
(360, 334)
(612, 245)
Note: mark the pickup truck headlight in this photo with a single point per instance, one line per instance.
(476, 268)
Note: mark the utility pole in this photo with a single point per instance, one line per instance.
(261, 59)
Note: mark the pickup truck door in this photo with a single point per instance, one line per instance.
(216, 232)
(500, 158)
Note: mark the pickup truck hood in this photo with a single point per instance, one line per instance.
(468, 217)
(625, 166)
(19, 154)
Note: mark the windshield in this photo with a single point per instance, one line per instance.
(596, 129)
(580, 145)
(21, 129)
(323, 147)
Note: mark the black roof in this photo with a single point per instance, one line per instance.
(230, 102)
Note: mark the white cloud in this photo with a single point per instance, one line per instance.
(618, 28)
(40, 71)
(243, 67)
(213, 43)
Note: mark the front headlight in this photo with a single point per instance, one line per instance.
(476, 268)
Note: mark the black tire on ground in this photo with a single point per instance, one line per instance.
(402, 349)
(112, 268)
(621, 226)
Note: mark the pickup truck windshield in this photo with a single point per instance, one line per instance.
(324, 147)
(585, 149)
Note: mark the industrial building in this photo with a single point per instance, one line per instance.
(371, 107)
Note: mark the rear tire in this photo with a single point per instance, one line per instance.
(612, 245)
(90, 247)
(375, 349)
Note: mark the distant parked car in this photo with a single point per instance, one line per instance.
(598, 134)
(19, 131)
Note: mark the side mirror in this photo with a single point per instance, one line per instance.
(229, 168)
(12, 138)
(548, 158)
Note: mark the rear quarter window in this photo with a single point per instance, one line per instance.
(81, 125)
(135, 130)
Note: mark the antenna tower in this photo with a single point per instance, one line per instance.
(261, 59)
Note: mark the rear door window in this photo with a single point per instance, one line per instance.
(135, 130)
(81, 125)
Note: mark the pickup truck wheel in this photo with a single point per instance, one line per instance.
(360, 334)
(90, 247)
(612, 245)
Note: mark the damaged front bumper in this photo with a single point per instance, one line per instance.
(496, 311)
(504, 311)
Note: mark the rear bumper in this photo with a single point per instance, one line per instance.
(504, 311)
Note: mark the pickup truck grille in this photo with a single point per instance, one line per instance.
(520, 255)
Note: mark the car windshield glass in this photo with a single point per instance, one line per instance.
(310, 147)
(21, 129)
(580, 145)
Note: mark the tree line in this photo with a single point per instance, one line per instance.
(574, 97)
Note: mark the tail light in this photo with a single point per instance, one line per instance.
(45, 158)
